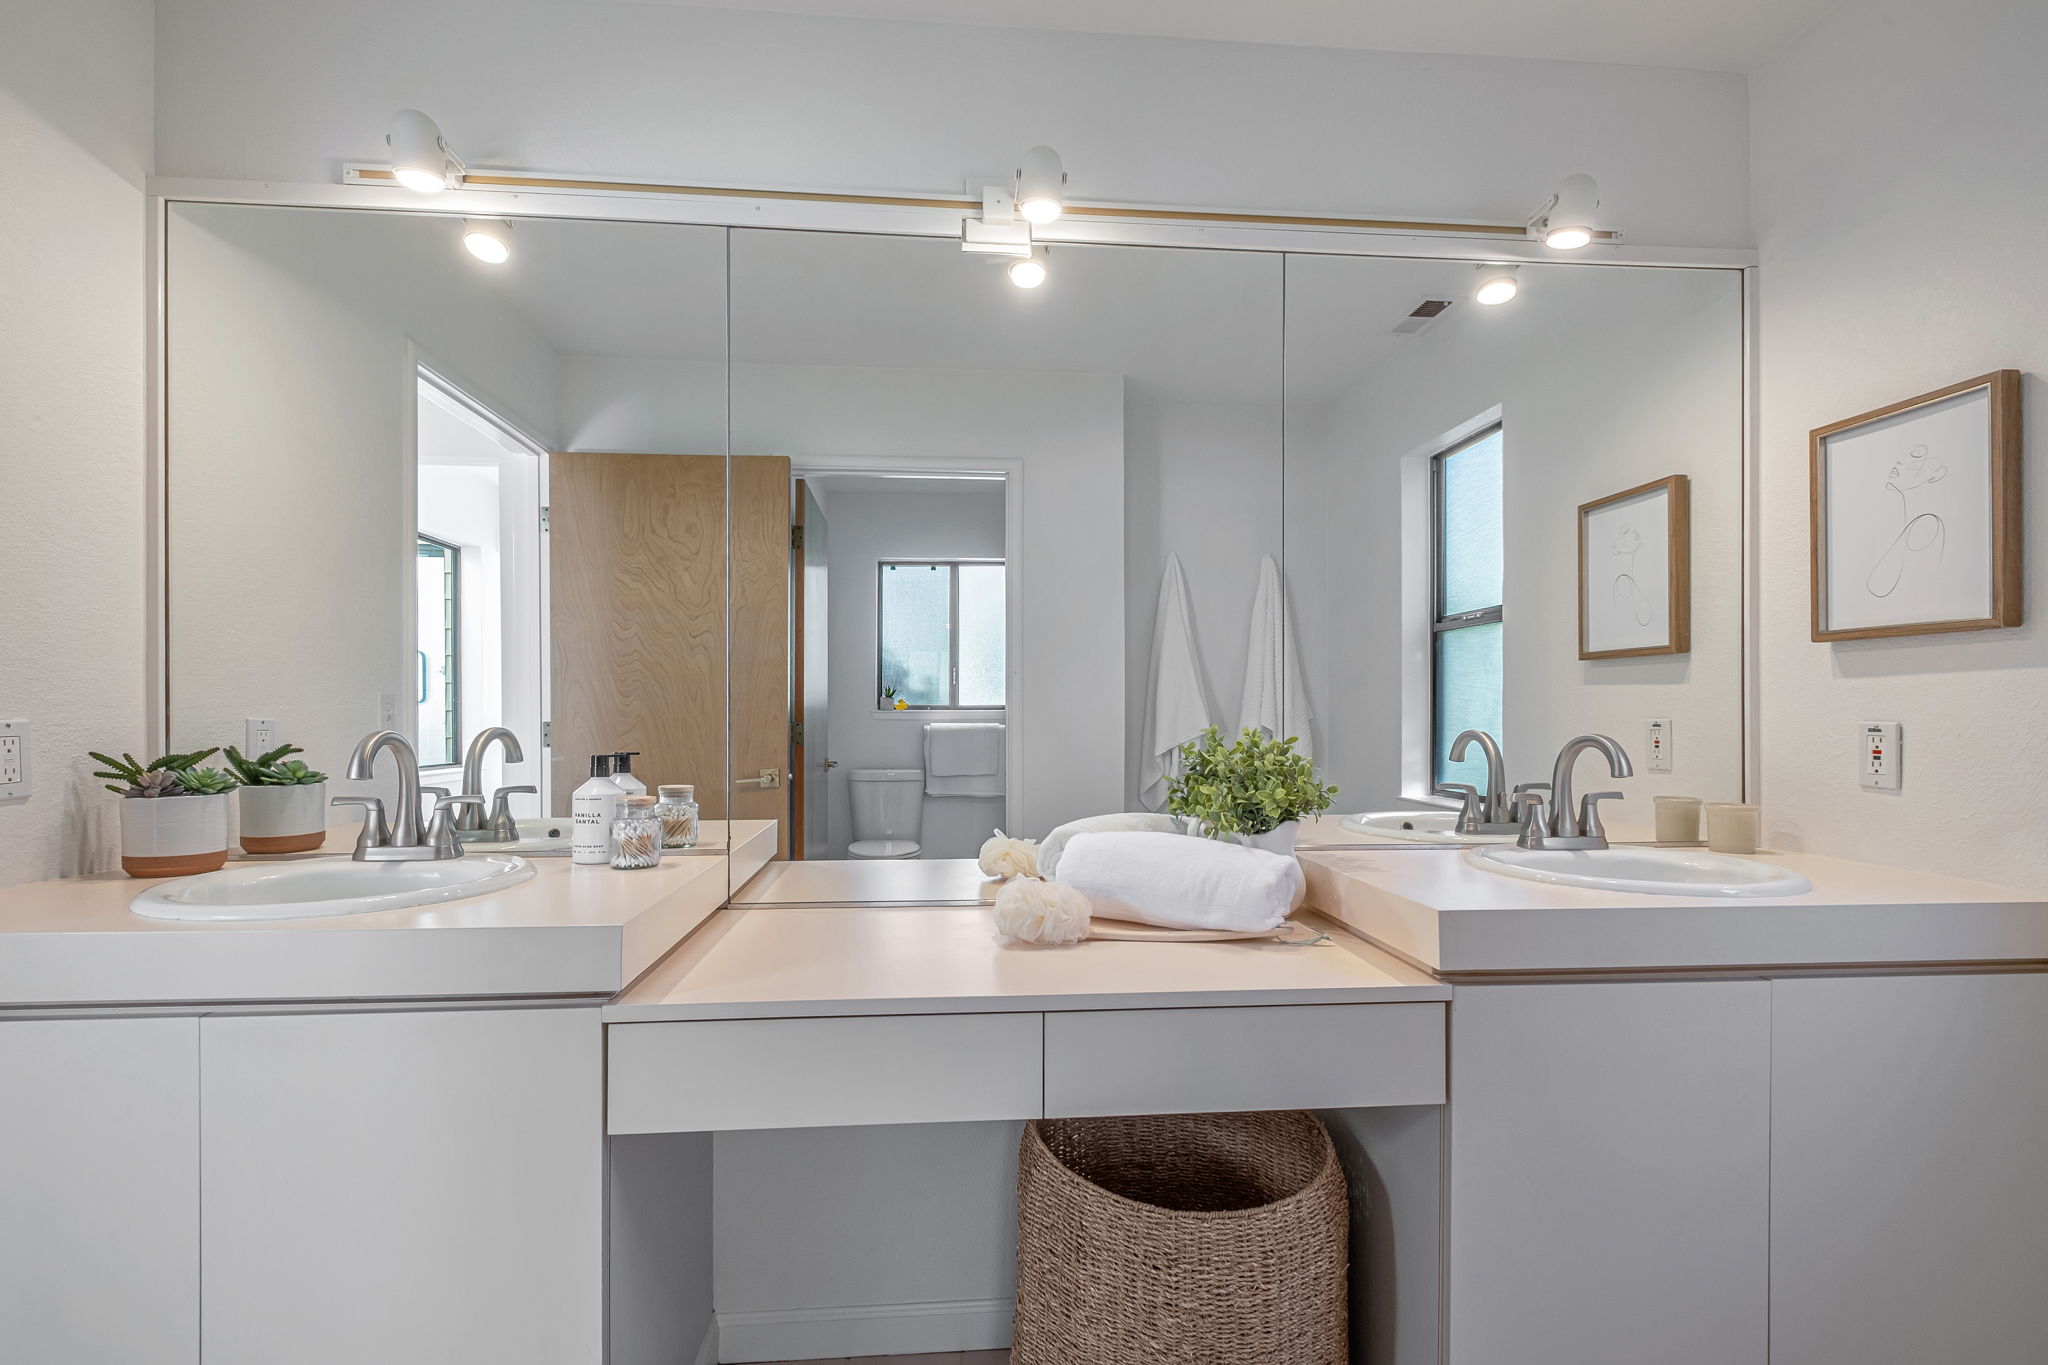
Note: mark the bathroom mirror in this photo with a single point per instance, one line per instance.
(1445, 460)
(409, 488)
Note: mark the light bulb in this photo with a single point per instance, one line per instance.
(1028, 273)
(420, 159)
(424, 181)
(1568, 224)
(1568, 238)
(1497, 284)
(486, 240)
(1041, 186)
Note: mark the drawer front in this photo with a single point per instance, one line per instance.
(812, 1073)
(1267, 1057)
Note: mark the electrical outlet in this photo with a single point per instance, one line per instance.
(14, 760)
(1659, 760)
(259, 735)
(387, 710)
(1880, 759)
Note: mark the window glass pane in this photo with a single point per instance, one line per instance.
(1468, 691)
(1471, 531)
(437, 726)
(981, 634)
(916, 652)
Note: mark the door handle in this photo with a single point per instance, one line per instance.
(770, 777)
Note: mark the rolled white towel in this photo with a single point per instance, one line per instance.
(1053, 844)
(1181, 882)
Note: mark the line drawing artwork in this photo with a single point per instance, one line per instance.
(1923, 535)
(1628, 543)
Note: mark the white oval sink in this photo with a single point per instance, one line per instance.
(327, 886)
(1644, 871)
(1417, 826)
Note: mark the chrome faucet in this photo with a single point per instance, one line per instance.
(1493, 809)
(1562, 825)
(470, 819)
(402, 839)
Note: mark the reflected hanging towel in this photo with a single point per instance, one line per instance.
(1275, 690)
(1177, 701)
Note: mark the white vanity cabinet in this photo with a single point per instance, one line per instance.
(99, 1191)
(409, 1188)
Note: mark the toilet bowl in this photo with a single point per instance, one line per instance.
(888, 812)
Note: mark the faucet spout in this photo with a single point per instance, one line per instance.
(1564, 814)
(1495, 810)
(405, 817)
(470, 816)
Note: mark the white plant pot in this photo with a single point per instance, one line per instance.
(1279, 839)
(173, 836)
(284, 819)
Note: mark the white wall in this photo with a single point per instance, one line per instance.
(1898, 151)
(75, 147)
(256, 90)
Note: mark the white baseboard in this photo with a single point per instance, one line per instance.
(883, 1329)
(707, 1349)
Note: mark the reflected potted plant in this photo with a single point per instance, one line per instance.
(1254, 792)
(174, 815)
(284, 802)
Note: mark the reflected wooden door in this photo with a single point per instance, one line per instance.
(810, 762)
(761, 724)
(637, 601)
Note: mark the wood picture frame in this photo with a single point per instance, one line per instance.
(1945, 467)
(1620, 615)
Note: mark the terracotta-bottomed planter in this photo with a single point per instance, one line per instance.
(284, 819)
(173, 836)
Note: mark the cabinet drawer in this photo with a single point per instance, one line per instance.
(1265, 1057)
(814, 1073)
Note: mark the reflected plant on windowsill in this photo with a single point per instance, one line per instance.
(1250, 788)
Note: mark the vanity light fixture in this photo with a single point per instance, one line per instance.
(485, 238)
(1029, 272)
(420, 157)
(1565, 221)
(1496, 284)
(1041, 186)
(997, 232)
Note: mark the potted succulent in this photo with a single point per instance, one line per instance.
(174, 820)
(284, 802)
(1252, 792)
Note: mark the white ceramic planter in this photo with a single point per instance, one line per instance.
(1279, 839)
(284, 819)
(173, 836)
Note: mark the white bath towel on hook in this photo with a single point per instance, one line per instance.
(1176, 699)
(1275, 691)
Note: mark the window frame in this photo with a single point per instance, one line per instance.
(1439, 622)
(952, 567)
(451, 554)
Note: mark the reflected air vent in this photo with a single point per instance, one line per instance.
(1426, 312)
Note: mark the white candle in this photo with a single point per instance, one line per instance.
(1678, 819)
(1731, 828)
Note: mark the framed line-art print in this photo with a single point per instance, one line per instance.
(1916, 515)
(1635, 571)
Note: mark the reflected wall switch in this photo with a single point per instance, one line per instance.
(1659, 760)
(14, 768)
(1879, 758)
(259, 735)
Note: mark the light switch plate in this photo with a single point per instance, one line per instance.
(1879, 757)
(15, 771)
(1659, 747)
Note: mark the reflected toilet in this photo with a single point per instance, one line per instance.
(888, 812)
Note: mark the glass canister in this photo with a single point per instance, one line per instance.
(678, 815)
(636, 834)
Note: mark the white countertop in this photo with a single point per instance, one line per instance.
(1450, 917)
(570, 931)
(777, 961)
(870, 881)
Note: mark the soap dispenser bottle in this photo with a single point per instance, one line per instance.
(622, 773)
(592, 810)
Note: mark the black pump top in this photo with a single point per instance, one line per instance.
(601, 765)
(622, 762)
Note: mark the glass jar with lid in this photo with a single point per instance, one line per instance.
(677, 812)
(636, 834)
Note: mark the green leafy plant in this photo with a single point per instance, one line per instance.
(170, 775)
(273, 769)
(1251, 787)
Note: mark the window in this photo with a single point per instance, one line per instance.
(1467, 552)
(942, 634)
(438, 567)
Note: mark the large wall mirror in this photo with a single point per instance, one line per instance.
(880, 552)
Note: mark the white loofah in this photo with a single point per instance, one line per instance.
(1041, 912)
(1005, 857)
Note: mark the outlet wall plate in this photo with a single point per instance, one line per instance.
(259, 735)
(16, 764)
(1880, 760)
(1657, 746)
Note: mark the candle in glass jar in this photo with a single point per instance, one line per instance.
(1678, 819)
(1731, 827)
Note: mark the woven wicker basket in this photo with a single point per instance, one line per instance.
(1192, 1239)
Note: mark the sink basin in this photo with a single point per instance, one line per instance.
(1644, 871)
(1417, 826)
(327, 886)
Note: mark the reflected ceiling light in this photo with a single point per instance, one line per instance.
(1566, 220)
(1496, 284)
(997, 232)
(420, 157)
(1029, 272)
(1041, 186)
(485, 238)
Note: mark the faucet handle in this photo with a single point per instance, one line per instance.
(501, 824)
(441, 829)
(1470, 813)
(1529, 812)
(1589, 813)
(376, 833)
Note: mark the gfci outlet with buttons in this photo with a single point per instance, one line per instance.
(14, 769)
(1659, 747)
(1879, 757)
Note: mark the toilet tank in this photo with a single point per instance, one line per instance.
(888, 803)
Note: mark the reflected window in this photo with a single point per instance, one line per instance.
(1468, 551)
(438, 568)
(942, 635)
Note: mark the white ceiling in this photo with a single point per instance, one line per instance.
(1719, 35)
